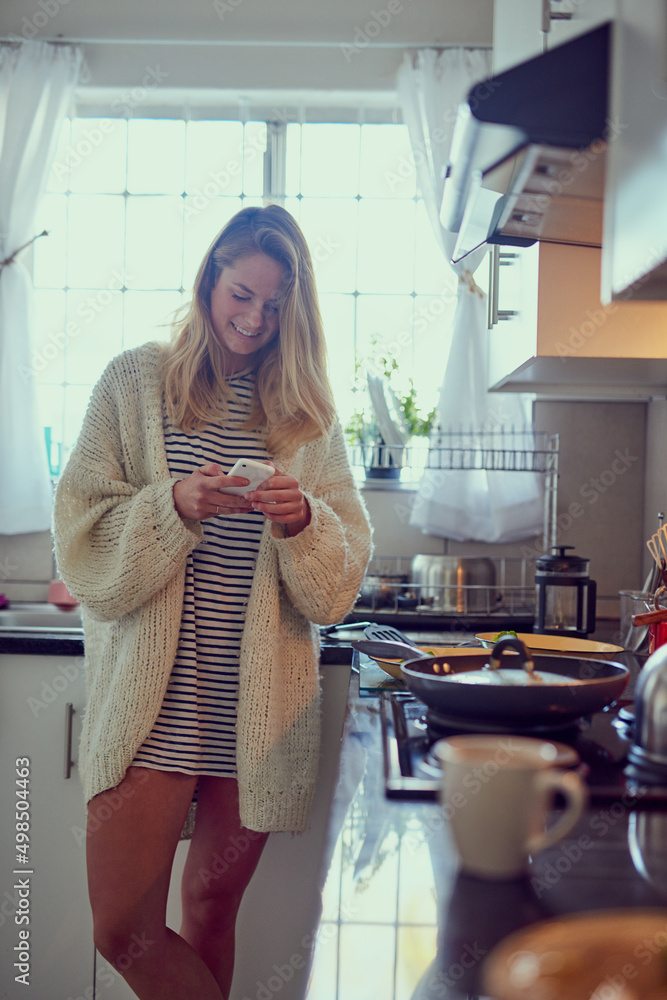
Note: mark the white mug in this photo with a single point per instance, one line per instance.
(496, 792)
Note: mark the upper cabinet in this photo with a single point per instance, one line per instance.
(550, 332)
(634, 248)
(577, 320)
(633, 229)
(525, 28)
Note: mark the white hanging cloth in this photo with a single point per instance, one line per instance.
(37, 83)
(478, 504)
(489, 506)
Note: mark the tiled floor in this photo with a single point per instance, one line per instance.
(378, 934)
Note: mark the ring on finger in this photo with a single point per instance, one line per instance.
(217, 510)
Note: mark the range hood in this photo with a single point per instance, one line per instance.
(528, 153)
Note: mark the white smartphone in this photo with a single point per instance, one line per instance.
(250, 469)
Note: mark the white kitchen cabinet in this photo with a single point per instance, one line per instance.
(41, 704)
(635, 207)
(523, 29)
(570, 18)
(517, 32)
(634, 241)
(559, 339)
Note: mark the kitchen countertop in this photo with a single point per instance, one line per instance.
(44, 643)
(335, 647)
(54, 643)
(393, 890)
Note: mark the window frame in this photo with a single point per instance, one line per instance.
(273, 190)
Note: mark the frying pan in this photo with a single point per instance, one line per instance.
(588, 685)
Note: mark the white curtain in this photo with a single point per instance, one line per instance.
(37, 83)
(481, 505)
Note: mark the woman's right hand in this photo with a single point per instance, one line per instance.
(197, 497)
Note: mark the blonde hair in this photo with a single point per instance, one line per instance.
(293, 397)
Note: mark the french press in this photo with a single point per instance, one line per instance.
(565, 594)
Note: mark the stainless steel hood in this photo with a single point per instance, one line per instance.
(527, 161)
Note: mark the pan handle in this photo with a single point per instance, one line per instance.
(503, 646)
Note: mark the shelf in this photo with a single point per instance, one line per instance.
(493, 451)
(503, 450)
(511, 595)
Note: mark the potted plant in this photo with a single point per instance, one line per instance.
(383, 457)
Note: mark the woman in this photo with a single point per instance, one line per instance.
(199, 605)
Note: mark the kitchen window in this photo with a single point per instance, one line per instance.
(132, 206)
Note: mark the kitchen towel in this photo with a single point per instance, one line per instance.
(484, 434)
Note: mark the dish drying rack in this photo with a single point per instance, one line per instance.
(502, 450)
(511, 596)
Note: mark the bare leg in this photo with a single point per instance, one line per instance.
(133, 831)
(221, 860)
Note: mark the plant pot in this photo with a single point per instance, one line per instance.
(385, 461)
(383, 472)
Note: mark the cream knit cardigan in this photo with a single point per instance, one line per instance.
(122, 548)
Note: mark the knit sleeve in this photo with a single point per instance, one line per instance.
(118, 538)
(322, 567)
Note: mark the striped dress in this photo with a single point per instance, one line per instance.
(195, 731)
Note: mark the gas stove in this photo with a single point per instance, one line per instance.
(411, 770)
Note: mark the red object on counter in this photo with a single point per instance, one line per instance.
(657, 635)
(60, 595)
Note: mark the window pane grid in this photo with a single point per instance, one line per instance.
(353, 190)
(132, 206)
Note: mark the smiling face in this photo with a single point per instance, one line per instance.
(244, 307)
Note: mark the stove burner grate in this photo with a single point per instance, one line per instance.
(440, 726)
(602, 742)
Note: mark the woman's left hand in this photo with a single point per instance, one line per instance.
(281, 501)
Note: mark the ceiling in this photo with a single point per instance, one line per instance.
(404, 22)
(347, 45)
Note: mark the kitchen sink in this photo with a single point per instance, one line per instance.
(31, 617)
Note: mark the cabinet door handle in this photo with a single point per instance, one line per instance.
(493, 282)
(69, 713)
